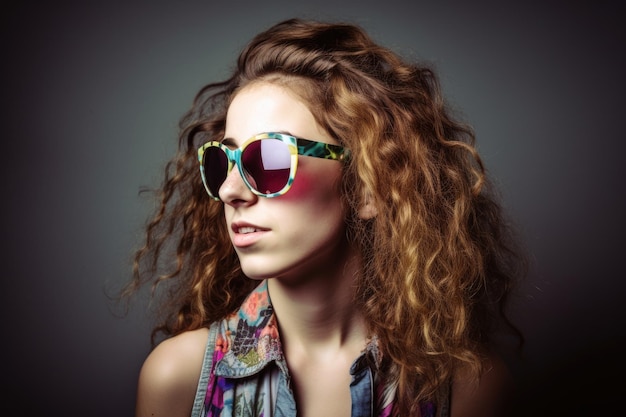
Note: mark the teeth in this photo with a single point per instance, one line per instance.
(246, 230)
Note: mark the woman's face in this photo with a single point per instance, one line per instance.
(302, 231)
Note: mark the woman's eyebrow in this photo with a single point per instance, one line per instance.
(284, 132)
(230, 142)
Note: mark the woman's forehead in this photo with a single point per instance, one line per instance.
(267, 107)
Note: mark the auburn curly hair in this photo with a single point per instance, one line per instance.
(438, 259)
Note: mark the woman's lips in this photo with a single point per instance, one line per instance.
(245, 235)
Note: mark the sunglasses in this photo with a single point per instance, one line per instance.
(267, 162)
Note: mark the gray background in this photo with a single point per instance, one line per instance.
(91, 97)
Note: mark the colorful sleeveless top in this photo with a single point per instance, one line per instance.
(245, 373)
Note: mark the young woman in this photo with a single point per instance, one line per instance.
(337, 249)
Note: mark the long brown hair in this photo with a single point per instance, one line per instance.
(439, 259)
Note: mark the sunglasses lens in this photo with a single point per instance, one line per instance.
(267, 164)
(215, 169)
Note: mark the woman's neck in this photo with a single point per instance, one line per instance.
(318, 315)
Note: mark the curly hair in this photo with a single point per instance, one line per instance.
(438, 259)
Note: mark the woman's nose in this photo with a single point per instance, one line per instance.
(234, 190)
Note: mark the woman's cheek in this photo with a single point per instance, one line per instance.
(303, 185)
(309, 183)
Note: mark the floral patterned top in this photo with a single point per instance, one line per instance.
(245, 373)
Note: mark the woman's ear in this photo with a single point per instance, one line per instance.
(367, 210)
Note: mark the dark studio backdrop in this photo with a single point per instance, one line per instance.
(91, 97)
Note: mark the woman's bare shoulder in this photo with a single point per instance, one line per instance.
(178, 353)
(169, 376)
